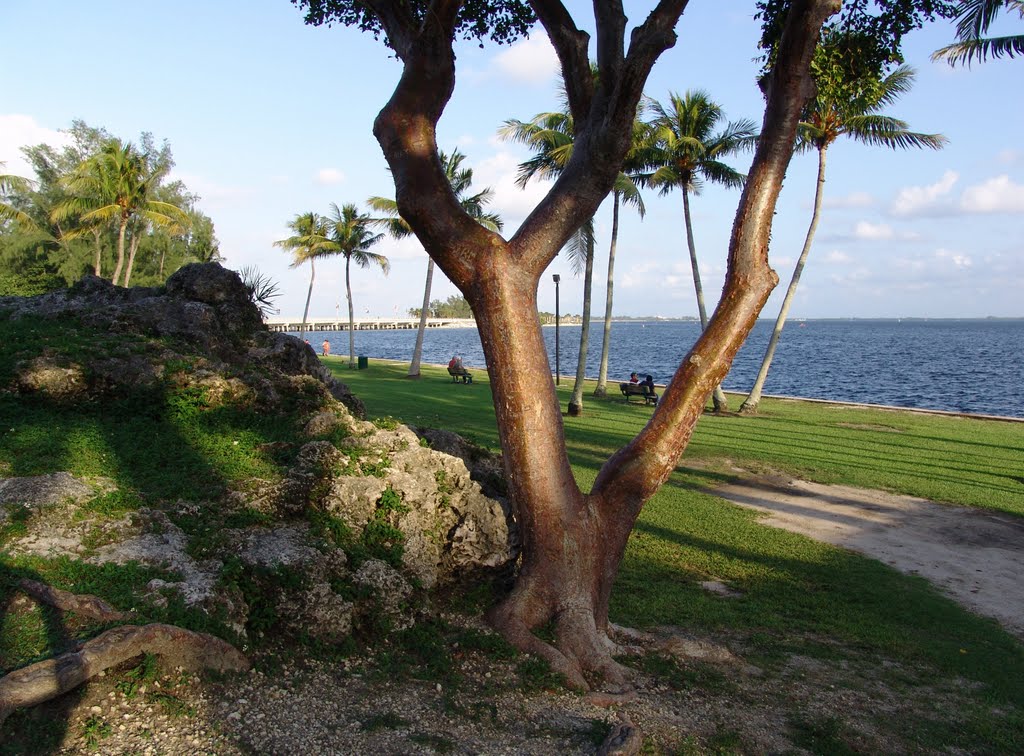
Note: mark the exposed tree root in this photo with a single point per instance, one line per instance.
(85, 605)
(580, 648)
(181, 648)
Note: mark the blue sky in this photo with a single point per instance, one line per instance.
(268, 118)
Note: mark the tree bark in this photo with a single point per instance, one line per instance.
(602, 373)
(717, 396)
(351, 314)
(120, 252)
(48, 679)
(753, 400)
(133, 247)
(309, 295)
(98, 263)
(417, 352)
(572, 542)
(576, 397)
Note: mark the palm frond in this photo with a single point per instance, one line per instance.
(580, 246)
(981, 49)
(885, 131)
(974, 17)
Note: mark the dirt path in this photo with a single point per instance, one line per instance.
(975, 557)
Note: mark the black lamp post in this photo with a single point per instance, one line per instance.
(558, 366)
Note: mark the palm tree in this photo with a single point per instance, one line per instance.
(117, 186)
(550, 135)
(309, 241)
(351, 236)
(687, 152)
(460, 179)
(625, 191)
(973, 20)
(846, 105)
(10, 184)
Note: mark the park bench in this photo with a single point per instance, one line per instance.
(462, 373)
(629, 390)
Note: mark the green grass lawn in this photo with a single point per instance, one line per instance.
(799, 597)
(797, 594)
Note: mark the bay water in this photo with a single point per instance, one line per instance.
(972, 366)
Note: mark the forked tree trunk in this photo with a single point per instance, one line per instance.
(351, 314)
(717, 396)
(751, 403)
(602, 373)
(573, 543)
(133, 247)
(566, 538)
(576, 397)
(417, 352)
(120, 252)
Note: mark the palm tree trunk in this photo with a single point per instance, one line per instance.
(417, 352)
(309, 295)
(120, 252)
(717, 396)
(754, 399)
(133, 247)
(576, 398)
(97, 265)
(351, 315)
(602, 373)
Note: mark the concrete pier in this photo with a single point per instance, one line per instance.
(285, 325)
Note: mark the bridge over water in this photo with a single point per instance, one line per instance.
(286, 325)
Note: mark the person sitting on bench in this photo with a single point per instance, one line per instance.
(648, 384)
(456, 370)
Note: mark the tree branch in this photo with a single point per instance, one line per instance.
(604, 132)
(85, 605)
(48, 679)
(398, 22)
(635, 472)
(571, 47)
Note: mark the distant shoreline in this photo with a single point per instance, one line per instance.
(783, 397)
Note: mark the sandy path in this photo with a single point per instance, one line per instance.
(975, 557)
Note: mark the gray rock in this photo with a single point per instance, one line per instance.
(41, 491)
(390, 589)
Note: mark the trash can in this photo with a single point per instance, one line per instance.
(363, 362)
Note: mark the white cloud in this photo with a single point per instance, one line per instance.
(925, 200)
(17, 131)
(997, 195)
(328, 176)
(871, 231)
(854, 199)
(528, 61)
(837, 257)
(959, 261)
(510, 201)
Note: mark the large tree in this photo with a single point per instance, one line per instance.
(461, 180)
(572, 541)
(688, 150)
(352, 238)
(846, 104)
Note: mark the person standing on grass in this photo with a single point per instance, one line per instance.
(326, 348)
